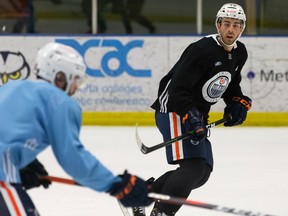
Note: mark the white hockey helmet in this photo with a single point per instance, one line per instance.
(56, 57)
(231, 10)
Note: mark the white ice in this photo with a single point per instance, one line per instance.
(250, 173)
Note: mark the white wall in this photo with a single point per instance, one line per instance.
(137, 63)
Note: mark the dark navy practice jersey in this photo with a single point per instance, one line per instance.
(204, 73)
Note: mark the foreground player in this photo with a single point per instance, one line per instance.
(208, 70)
(36, 114)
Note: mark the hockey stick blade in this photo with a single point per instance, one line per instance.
(182, 201)
(145, 149)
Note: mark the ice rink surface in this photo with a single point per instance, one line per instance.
(250, 173)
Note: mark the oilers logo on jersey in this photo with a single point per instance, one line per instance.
(214, 87)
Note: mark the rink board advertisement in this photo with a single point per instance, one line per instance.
(124, 71)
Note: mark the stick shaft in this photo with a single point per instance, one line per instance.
(60, 180)
(183, 201)
(145, 149)
(171, 200)
(72, 182)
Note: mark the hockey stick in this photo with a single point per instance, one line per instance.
(145, 149)
(60, 180)
(123, 209)
(182, 201)
(170, 200)
(72, 182)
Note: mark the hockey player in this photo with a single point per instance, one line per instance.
(36, 114)
(208, 70)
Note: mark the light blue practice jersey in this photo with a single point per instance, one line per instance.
(36, 114)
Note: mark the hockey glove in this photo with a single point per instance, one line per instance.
(237, 108)
(132, 191)
(30, 175)
(193, 122)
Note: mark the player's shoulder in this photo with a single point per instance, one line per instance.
(42, 87)
(205, 43)
(241, 45)
(203, 46)
(208, 40)
(49, 92)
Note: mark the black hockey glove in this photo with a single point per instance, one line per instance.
(193, 122)
(132, 191)
(237, 108)
(30, 175)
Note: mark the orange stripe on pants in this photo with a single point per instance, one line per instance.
(13, 201)
(175, 128)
